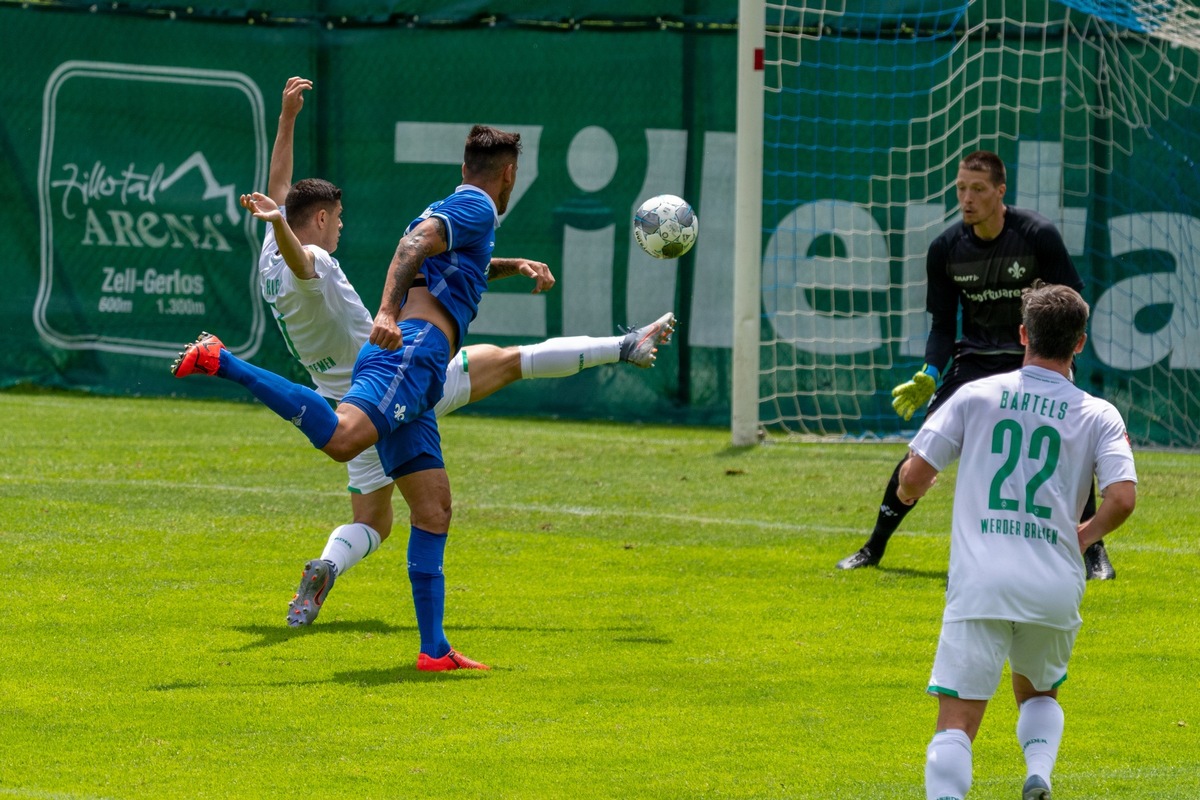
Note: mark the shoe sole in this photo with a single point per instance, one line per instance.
(657, 333)
(666, 329)
(188, 362)
(306, 604)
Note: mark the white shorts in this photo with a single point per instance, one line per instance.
(971, 654)
(456, 392)
(366, 473)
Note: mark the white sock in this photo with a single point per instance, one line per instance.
(1039, 732)
(948, 766)
(567, 355)
(350, 544)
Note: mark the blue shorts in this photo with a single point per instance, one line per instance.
(397, 389)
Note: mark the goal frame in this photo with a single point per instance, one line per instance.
(747, 238)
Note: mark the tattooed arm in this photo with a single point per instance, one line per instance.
(425, 240)
(507, 267)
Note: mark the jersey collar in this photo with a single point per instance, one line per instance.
(1043, 374)
(466, 187)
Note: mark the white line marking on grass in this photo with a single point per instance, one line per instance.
(44, 795)
(1131, 543)
(461, 505)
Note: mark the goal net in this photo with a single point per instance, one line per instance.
(868, 108)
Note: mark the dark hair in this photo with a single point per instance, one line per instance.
(1055, 317)
(307, 196)
(985, 161)
(489, 150)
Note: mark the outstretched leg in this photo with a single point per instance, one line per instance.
(298, 404)
(340, 434)
(480, 370)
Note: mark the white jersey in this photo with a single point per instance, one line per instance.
(1029, 442)
(322, 319)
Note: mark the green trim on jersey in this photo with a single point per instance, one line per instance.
(1059, 682)
(287, 337)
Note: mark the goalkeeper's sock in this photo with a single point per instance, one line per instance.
(891, 514)
(948, 766)
(567, 355)
(425, 555)
(350, 544)
(1039, 732)
(298, 404)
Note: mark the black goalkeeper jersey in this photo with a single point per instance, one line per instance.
(985, 278)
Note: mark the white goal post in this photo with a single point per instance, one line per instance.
(747, 237)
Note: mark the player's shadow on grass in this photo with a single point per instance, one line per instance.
(271, 635)
(908, 572)
(406, 673)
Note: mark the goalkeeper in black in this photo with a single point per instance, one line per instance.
(981, 265)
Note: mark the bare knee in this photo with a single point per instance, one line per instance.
(427, 494)
(339, 453)
(432, 515)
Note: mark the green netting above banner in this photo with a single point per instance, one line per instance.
(487, 12)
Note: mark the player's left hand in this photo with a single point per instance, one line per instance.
(261, 206)
(911, 396)
(543, 279)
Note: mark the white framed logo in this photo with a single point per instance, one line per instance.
(143, 242)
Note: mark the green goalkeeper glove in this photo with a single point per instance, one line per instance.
(909, 397)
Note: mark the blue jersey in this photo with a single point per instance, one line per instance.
(458, 277)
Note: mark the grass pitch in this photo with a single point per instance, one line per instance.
(661, 612)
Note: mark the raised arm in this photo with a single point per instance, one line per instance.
(425, 240)
(540, 273)
(279, 179)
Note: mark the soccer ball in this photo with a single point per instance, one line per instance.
(665, 226)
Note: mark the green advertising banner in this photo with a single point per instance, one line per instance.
(129, 167)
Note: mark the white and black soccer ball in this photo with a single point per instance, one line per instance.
(666, 226)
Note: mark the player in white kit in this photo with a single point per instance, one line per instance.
(1028, 444)
(325, 323)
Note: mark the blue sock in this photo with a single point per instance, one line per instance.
(298, 404)
(425, 552)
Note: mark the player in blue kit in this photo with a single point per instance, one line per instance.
(435, 281)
